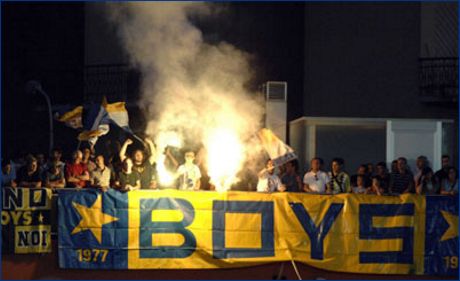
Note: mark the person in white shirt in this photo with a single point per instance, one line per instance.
(189, 174)
(316, 181)
(268, 180)
(100, 176)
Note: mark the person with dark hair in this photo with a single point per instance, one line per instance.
(54, 176)
(291, 178)
(142, 164)
(382, 172)
(316, 181)
(358, 185)
(370, 170)
(394, 167)
(420, 164)
(87, 159)
(443, 173)
(362, 171)
(268, 180)
(55, 159)
(29, 176)
(41, 162)
(340, 181)
(76, 172)
(128, 180)
(402, 181)
(8, 174)
(426, 183)
(376, 187)
(449, 185)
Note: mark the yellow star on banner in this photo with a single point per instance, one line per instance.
(452, 231)
(92, 218)
(40, 218)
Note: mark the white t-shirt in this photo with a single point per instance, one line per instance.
(317, 181)
(188, 176)
(268, 183)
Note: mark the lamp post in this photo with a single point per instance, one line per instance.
(33, 87)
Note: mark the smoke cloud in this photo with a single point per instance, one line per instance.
(192, 91)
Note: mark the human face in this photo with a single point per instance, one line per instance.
(420, 163)
(33, 166)
(57, 155)
(86, 153)
(138, 157)
(361, 170)
(336, 167)
(360, 181)
(40, 158)
(7, 169)
(402, 166)
(394, 166)
(452, 175)
(315, 165)
(77, 157)
(100, 162)
(370, 168)
(380, 170)
(289, 168)
(445, 162)
(189, 157)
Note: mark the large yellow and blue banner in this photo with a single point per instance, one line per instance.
(26, 224)
(407, 234)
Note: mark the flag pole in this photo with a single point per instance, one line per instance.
(139, 139)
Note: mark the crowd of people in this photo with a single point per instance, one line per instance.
(369, 178)
(86, 169)
(117, 169)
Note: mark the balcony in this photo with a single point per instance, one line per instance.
(438, 80)
(118, 82)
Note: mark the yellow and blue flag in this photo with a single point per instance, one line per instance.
(117, 113)
(26, 220)
(95, 123)
(171, 229)
(72, 118)
(278, 151)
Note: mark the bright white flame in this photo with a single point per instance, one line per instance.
(225, 156)
(163, 140)
(166, 178)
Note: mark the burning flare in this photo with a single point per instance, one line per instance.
(225, 155)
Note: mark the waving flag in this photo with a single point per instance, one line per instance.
(72, 118)
(117, 113)
(95, 123)
(278, 151)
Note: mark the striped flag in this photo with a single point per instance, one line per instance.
(117, 113)
(95, 123)
(278, 151)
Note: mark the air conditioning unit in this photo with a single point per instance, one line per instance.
(275, 93)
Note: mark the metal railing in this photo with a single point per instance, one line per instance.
(118, 82)
(438, 80)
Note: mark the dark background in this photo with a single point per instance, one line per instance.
(339, 60)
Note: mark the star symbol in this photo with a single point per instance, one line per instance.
(452, 231)
(92, 218)
(40, 217)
